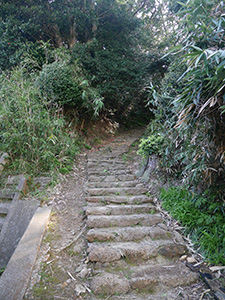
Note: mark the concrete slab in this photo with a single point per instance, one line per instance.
(14, 280)
(18, 218)
(16, 221)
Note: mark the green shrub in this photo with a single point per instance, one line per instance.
(205, 223)
(58, 84)
(31, 133)
(151, 144)
(63, 83)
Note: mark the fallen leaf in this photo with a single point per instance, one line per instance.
(217, 268)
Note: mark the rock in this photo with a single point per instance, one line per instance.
(183, 257)
(80, 289)
(80, 268)
(144, 283)
(172, 250)
(103, 254)
(158, 233)
(191, 260)
(110, 284)
(101, 236)
(84, 272)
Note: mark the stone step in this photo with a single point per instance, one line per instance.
(7, 194)
(120, 199)
(107, 155)
(120, 209)
(109, 166)
(151, 279)
(101, 160)
(106, 164)
(4, 208)
(133, 183)
(127, 234)
(123, 220)
(135, 252)
(102, 172)
(123, 191)
(13, 180)
(167, 275)
(109, 178)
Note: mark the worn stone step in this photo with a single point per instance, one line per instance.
(109, 167)
(4, 208)
(135, 252)
(109, 178)
(107, 155)
(120, 209)
(120, 199)
(123, 220)
(7, 194)
(13, 180)
(128, 234)
(133, 183)
(123, 191)
(105, 164)
(151, 279)
(102, 172)
(158, 277)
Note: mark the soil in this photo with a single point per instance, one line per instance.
(62, 270)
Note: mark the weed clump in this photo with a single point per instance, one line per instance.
(204, 223)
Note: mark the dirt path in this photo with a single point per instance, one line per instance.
(106, 239)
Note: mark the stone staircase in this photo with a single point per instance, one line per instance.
(16, 211)
(14, 188)
(132, 253)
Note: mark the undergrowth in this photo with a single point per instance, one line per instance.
(31, 132)
(204, 223)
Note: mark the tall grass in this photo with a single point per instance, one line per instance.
(30, 131)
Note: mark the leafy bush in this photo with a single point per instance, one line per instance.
(31, 133)
(57, 84)
(204, 222)
(63, 83)
(150, 145)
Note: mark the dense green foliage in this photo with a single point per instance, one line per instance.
(108, 49)
(203, 219)
(117, 72)
(189, 116)
(189, 105)
(151, 144)
(63, 83)
(76, 58)
(33, 135)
